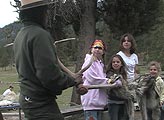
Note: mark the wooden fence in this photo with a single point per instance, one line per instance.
(71, 113)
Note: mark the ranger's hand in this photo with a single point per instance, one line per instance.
(80, 89)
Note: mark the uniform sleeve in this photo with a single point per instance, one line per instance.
(46, 65)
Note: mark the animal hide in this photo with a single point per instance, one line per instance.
(148, 98)
(120, 92)
(123, 93)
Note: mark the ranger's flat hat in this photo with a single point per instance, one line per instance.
(27, 4)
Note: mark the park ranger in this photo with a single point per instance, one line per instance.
(40, 76)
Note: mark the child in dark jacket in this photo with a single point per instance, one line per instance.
(119, 98)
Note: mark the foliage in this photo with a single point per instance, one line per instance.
(134, 16)
(4, 58)
(60, 15)
(103, 32)
(8, 34)
(150, 44)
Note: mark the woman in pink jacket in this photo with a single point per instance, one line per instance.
(96, 99)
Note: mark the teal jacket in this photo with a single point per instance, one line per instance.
(36, 63)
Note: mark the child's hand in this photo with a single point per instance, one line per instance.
(162, 103)
(94, 58)
(109, 81)
(118, 83)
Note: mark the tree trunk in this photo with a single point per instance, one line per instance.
(86, 36)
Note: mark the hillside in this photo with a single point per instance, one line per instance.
(8, 33)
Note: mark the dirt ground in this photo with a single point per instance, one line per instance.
(137, 117)
(10, 118)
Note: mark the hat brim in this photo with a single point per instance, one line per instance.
(36, 4)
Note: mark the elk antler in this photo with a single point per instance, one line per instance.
(7, 45)
(64, 40)
(106, 86)
(89, 64)
(66, 69)
(80, 71)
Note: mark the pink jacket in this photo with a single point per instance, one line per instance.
(95, 99)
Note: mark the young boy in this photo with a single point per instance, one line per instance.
(151, 93)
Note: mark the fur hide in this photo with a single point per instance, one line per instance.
(123, 93)
(148, 98)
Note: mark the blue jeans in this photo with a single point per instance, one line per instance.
(162, 115)
(153, 114)
(93, 114)
(117, 112)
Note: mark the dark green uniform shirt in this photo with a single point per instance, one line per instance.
(37, 66)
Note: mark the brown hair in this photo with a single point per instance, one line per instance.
(131, 39)
(122, 69)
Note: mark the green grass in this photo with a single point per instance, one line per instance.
(10, 75)
(6, 77)
(64, 99)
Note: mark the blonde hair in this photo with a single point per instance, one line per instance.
(156, 64)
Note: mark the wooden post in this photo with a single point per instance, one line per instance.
(1, 116)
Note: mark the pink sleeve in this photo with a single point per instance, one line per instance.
(95, 73)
